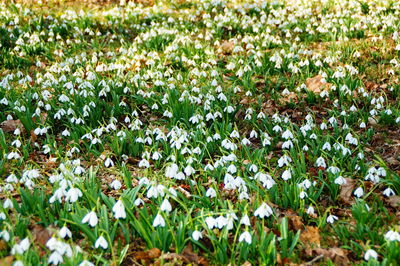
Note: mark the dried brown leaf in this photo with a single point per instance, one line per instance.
(317, 85)
(9, 126)
(296, 222)
(227, 47)
(311, 238)
(337, 255)
(394, 201)
(40, 234)
(346, 191)
(193, 257)
(3, 245)
(147, 255)
(7, 261)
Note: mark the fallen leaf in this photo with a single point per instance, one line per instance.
(193, 257)
(173, 257)
(147, 255)
(394, 201)
(290, 97)
(9, 126)
(317, 84)
(346, 191)
(3, 245)
(7, 261)
(40, 234)
(227, 47)
(337, 255)
(311, 238)
(296, 222)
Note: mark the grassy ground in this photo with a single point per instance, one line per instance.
(199, 132)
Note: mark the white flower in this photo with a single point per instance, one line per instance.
(18, 263)
(101, 242)
(331, 219)
(91, 219)
(119, 210)
(196, 235)
(310, 210)
(138, 202)
(370, 254)
(263, 211)
(64, 232)
(8, 204)
(286, 175)
(388, 192)
(5, 235)
(86, 263)
(159, 221)
(321, 162)
(21, 247)
(210, 221)
(55, 258)
(245, 236)
(108, 163)
(221, 221)
(245, 220)
(166, 206)
(359, 192)
(392, 236)
(211, 193)
(116, 184)
(171, 170)
(340, 180)
(73, 195)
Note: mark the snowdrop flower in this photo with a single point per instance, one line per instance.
(196, 235)
(21, 247)
(55, 258)
(340, 180)
(171, 170)
(392, 236)
(116, 184)
(8, 204)
(158, 221)
(144, 163)
(388, 192)
(211, 222)
(211, 193)
(101, 242)
(73, 195)
(310, 210)
(5, 235)
(303, 194)
(64, 232)
(166, 206)
(321, 162)
(359, 192)
(86, 263)
(91, 219)
(108, 163)
(245, 220)
(263, 211)
(286, 175)
(221, 221)
(119, 210)
(331, 219)
(370, 254)
(139, 202)
(246, 237)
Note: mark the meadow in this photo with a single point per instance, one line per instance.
(200, 132)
